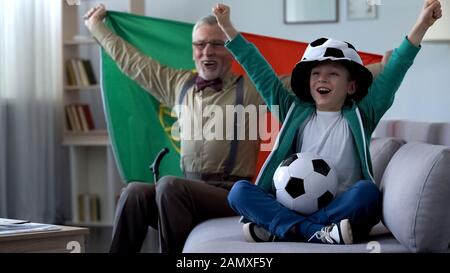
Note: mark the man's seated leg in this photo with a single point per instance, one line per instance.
(136, 211)
(183, 204)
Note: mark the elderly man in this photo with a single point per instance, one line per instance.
(210, 164)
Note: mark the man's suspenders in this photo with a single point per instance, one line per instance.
(234, 142)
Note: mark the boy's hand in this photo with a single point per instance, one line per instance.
(94, 15)
(431, 12)
(222, 13)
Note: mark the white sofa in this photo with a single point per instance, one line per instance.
(411, 163)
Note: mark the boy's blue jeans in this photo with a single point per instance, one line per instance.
(361, 204)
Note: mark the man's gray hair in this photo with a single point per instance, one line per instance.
(205, 20)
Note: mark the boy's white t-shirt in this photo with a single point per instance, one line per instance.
(328, 135)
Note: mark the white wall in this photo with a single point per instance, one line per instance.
(425, 92)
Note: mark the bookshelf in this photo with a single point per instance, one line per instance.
(94, 180)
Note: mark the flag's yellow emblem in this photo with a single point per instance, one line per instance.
(169, 123)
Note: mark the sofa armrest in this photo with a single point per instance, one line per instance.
(416, 191)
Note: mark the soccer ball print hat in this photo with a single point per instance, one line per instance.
(328, 49)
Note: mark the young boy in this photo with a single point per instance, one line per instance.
(336, 108)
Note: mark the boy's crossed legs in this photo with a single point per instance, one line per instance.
(360, 204)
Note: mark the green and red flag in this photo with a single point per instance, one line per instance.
(139, 126)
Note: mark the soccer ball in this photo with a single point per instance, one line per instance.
(305, 182)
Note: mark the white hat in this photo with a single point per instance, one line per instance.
(327, 49)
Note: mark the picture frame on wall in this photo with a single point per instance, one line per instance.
(310, 11)
(361, 10)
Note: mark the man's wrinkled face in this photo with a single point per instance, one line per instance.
(212, 59)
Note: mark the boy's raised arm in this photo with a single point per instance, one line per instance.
(430, 13)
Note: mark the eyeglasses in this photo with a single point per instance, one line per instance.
(214, 44)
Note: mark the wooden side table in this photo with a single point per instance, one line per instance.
(65, 240)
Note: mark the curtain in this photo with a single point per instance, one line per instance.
(31, 156)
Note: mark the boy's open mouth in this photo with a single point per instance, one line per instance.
(323, 90)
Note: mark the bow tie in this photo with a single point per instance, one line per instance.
(215, 84)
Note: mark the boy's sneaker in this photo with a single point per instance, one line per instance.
(340, 233)
(254, 233)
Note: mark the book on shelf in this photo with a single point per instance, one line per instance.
(69, 122)
(79, 72)
(79, 117)
(75, 118)
(90, 72)
(89, 207)
(70, 74)
(83, 74)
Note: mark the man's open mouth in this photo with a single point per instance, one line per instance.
(209, 64)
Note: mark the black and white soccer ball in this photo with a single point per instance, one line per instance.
(305, 182)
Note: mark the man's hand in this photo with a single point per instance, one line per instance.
(387, 55)
(94, 15)
(222, 14)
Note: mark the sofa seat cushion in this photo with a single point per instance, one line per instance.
(224, 235)
(416, 196)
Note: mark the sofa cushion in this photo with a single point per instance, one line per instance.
(416, 191)
(224, 235)
(381, 150)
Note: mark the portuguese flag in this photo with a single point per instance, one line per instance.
(139, 127)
